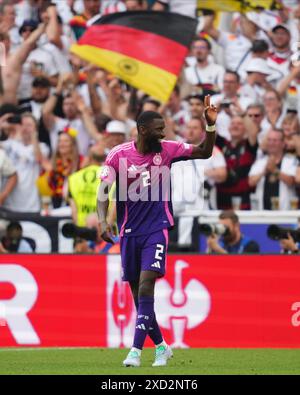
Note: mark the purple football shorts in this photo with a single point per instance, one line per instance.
(141, 253)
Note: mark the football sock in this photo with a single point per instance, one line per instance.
(144, 320)
(154, 330)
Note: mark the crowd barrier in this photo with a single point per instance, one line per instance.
(46, 230)
(204, 301)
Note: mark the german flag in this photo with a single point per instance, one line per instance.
(144, 48)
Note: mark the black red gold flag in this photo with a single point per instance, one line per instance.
(144, 48)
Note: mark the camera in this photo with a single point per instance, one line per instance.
(276, 233)
(226, 104)
(14, 119)
(71, 231)
(217, 229)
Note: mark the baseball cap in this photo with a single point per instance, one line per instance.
(28, 23)
(257, 65)
(116, 127)
(281, 26)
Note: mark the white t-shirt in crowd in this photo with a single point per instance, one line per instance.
(236, 46)
(24, 197)
(60, 56)
(288, 167)
(83, 138)
(184, 7)
(188, 191)
(44, 60)
(213, 75)
(7, 169)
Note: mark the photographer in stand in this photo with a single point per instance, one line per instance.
(289, 246)
(13, 241)
(232, 241)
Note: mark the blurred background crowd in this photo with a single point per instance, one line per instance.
(60, 116)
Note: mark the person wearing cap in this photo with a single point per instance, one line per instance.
(116, 134)
(39, 94)
(256, 84)
(55, 41)
(279, 59)
(38, 63)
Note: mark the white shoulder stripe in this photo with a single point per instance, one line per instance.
(117, 149)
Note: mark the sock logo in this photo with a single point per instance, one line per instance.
(156, 264)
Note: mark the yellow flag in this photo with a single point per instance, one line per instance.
(238, 5)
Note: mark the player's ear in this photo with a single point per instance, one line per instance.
(142, 130)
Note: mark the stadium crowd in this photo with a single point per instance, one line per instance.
(60, 116)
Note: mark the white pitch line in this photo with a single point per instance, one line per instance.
(46, 349)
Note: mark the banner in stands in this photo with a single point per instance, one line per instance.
(204, 301)
(239, 5)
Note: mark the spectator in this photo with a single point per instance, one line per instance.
(291, 128)
(240, 154)
(229, 103)
(8, 25)
(279, 59)
(15, 66)
(65, 161)
(206, 76)
(71, 112)
(233, 242)
(256, 84)
(135, 5)
(237, 45)
(260, 50)
(193, 185)
(40, 62)
(26, 153)
(230, 94)
(83, 186)
(116, 134)
(8, 176)
(176, 110)
(289, 88)
(184, 7)
(196, 106)
(256, 113)
(39, 94)
(274, 110)
(289, 246)
(273, 176)
(14, 241)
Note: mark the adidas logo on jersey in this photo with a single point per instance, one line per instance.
(141, 326)
(156, 264)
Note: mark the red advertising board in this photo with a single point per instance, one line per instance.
(204, 301)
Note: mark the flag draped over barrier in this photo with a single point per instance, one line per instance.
(145, 49)
(238, 5)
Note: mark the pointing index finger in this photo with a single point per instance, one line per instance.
(207, 101)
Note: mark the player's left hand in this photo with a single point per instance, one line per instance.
(106, 233)
(210, 111)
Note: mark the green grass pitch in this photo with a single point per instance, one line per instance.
(99, 361)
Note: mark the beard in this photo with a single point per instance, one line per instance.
(154, 146)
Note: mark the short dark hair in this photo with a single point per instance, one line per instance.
(237, 76)
(14, 226)
(230, 214)
(147, 117)
(260, 46)
(209, 46)
(156, 103)
(195, 96)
